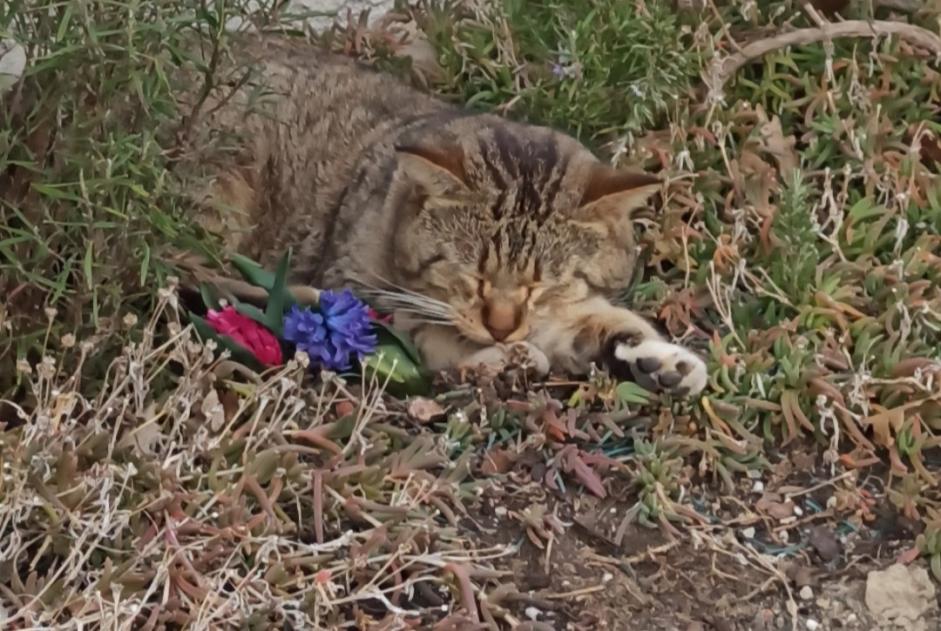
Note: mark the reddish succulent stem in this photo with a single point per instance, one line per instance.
(466, 589)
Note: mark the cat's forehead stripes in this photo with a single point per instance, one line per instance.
(526, 172)
(513, 243)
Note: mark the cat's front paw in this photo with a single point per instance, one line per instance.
(658, 365)
(500, 356)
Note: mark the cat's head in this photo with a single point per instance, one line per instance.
(503, 225)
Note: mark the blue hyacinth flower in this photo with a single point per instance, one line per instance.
(331, 336)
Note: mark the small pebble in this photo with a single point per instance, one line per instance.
(811, 624)
(749, 533)
(806, 592)
(532, 613)
(798, 510)
(758, 487)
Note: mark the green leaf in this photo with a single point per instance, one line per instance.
(253, 272)
(278, 297)
(251, 311)
(629, 392)
(402, 339)
(390, 363)
(239, 352)
(209, 295)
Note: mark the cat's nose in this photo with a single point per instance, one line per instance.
(501, 319)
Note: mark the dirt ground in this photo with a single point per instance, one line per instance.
(710, 577)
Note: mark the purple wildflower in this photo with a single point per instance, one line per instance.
(341, 329)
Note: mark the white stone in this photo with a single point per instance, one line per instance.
(12, 63)
(320, 14)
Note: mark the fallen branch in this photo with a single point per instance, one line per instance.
(722, 69)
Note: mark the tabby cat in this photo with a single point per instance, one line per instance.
(486, 238)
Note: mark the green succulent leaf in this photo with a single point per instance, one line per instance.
(628, 392)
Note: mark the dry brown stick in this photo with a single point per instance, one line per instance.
(722, 69)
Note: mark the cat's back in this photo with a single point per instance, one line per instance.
(301, 124)
(310, 82)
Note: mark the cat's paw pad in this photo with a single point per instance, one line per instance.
(658, 365)
(498, 357)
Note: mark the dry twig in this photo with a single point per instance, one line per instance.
(723, 68)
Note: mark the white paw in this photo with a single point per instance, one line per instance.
(659, 365)
(500, 356)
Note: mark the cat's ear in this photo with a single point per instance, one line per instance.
(613, 194)
(437, 170)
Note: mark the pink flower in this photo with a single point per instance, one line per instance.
(248, 333)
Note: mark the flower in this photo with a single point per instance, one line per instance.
(258, 340)
(341, 329)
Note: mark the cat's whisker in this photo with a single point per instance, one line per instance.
(411, 299)
(422, 314)
(416, 307)
(447, 323)
(400, 290)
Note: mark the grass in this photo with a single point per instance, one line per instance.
(798, 248)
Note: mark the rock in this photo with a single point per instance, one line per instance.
(825, 543)
(806, 592)
(532, 613)
(811, 624)
(424, 410)
(12, 63)
(901, 595)
(322, 11)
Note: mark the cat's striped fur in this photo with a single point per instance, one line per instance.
(480, 233)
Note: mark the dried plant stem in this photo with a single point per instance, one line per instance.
(722, 69)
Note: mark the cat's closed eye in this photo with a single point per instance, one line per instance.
(431, 260)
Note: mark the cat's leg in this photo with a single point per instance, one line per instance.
(441, 348)
(626, 344)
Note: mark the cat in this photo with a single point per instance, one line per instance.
(487, 239)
